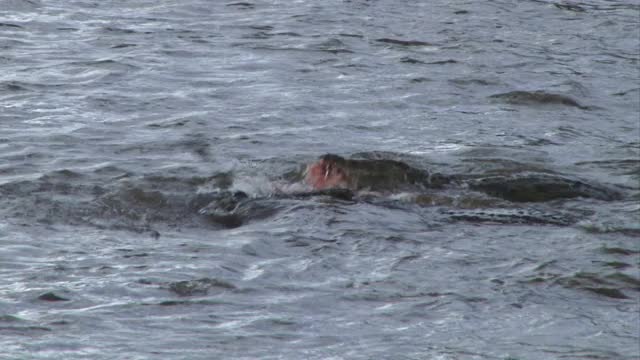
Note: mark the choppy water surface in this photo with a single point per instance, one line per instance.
(120, 121)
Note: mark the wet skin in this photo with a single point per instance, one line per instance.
(335, 172)
(348, 179)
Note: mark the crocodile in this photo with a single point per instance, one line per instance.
(500, 199)
(334, 171)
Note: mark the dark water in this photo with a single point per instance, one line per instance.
(120, 120)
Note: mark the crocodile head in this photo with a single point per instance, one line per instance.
(333, 171)
(330, 171)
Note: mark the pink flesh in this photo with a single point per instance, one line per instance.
(320, 176)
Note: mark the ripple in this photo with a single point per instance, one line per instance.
(126, 129)
(537, 98)
(403, 42)
(7, 25)
(199, 287)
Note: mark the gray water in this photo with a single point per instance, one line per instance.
(117, 118)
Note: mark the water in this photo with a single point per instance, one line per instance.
(118, 118)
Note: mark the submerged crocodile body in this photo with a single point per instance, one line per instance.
(333, 171)
(497, 199)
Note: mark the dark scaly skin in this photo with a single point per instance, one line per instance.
(388, 175)
(232, 209)
(540, 188)
(382, 174)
